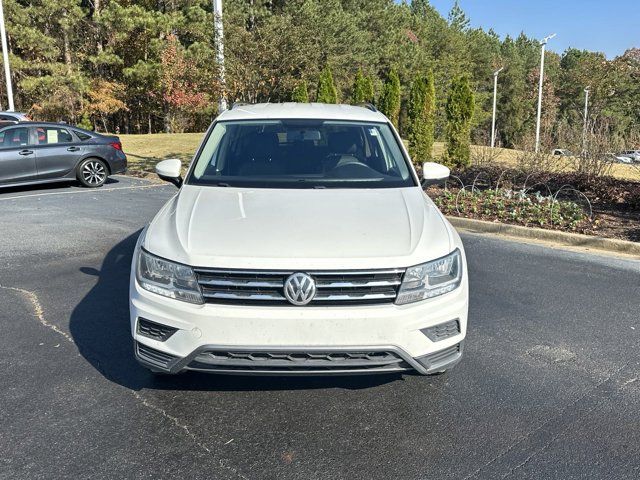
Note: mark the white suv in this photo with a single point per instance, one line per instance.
(300, 242)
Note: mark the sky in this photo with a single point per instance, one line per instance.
(609, 26)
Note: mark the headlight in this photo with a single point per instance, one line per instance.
(166, 278)
(431, 279)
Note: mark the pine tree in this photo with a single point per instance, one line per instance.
(421, 113)
(459, 111)
(390, 98)
(300, 94)
(85, 122)
(327, 92)
(457, 18)
(359, 86)
(369, 94)
(514, 110)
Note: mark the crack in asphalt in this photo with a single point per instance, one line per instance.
(32, 298)
(38, 310)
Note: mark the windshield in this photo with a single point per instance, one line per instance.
(301, 154)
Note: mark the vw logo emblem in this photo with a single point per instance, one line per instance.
(299, 289)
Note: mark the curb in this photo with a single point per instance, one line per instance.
(568, 239)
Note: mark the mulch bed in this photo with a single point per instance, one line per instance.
(615, 203)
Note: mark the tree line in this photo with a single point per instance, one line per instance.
(140, 66)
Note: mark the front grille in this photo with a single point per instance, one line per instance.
(255, 287)
(442, 331)
(155, 330)
(297, 361)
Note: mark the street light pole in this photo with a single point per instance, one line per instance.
(586, 113)
(544, 44)
(219, 38)
(5, 58)
(495, 97)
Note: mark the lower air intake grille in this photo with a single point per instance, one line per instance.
(443, 357)
(297, 361)
(154, 356)
(442, 331)
(155, 330)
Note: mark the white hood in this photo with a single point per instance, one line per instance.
(303, 229)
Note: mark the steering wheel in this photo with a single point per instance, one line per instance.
(353, 169)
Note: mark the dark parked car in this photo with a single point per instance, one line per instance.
(37, 152)
(11, 118)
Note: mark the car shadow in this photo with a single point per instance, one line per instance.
(99, 325)
(50, 187)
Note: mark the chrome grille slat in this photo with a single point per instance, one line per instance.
(242, 283)
(356, 284)
(243, 296)
(267, 287)
(346, 296)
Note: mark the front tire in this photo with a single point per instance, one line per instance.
(92, 172)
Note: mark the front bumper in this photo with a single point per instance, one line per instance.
(288, 340)
(299, 361)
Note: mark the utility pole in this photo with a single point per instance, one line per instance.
(495, 98)
(219, 39)
(586, 113)
(5, 57)
(544, 44)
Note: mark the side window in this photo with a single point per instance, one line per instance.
(53, 135)
(82, 136)
(14, 137)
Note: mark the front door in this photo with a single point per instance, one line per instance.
(17, 156)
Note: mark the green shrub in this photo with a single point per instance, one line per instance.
(369, 93)
(459, 111)
(300, 94)
(362, 89)
(357, 96)
(421, 113)
(327, 92)
(390, 98)
(85, 122)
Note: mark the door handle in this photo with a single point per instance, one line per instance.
(73, 149)
(25, 152)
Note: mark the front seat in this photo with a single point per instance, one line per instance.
(261, 155)
(343, 148)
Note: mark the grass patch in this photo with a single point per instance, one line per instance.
(144, 151)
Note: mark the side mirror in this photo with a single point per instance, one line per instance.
(434, 174)
(170, 171)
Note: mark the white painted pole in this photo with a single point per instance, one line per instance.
(495, 98)
(219, 38)
(5, 58)
(544, 44)
(586, 116)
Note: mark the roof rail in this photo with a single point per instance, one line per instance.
(368, 106)
(238, 104)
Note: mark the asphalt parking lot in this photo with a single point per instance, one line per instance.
(549, 386)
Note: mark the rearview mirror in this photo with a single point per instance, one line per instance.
(170, 171)
(434, 174)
